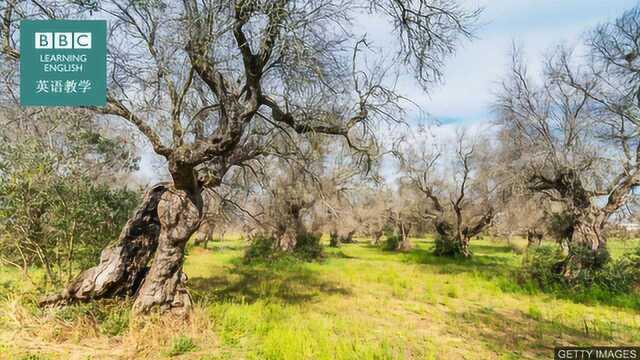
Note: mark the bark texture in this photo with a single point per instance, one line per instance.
(158, 230)
(587, 247)
(453, 240)
(348, 237)
(122, 266)
(165, 284)
(290, 226)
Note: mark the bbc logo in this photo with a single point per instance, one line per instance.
(63, 40)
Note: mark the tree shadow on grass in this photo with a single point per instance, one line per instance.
(287, 281)
(339, 254)
(484, 263)
(528, 335)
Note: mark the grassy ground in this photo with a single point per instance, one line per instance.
(360, 303)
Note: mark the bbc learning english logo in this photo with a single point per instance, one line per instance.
(63, 62)
(45, 40)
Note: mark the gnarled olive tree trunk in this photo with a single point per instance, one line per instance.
(450, 242)
(348, 237)
(158, 231)
(454, 240)
(179, 213)
(290, 226)
(587, 245)
(587, 230)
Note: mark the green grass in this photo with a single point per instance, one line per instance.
(181, 345)
(358, 303)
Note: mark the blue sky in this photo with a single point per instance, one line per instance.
(473, 74)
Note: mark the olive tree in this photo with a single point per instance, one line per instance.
(210, 84)
(459, 191)
(576, 129)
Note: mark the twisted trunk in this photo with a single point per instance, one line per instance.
(123, 265)
(455, 240)
(159, 230)
(587, 230)
(286, 241)
(291, 227)
(463, 244)
(587, 247)
(179, 213)
(348, 238)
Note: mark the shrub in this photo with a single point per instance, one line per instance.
(52, 217)
(541, 266)
(446, 246)
(620, 275)
(263, 247)
(560, 226)
(308, 247)
(391, 243)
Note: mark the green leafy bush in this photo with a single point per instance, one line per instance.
(560, 225)
(52, 219)
(391, 243)
(308, 247)
(263, 248)
(620, 275)
(539, 266)
(446, 246)
(542, 266)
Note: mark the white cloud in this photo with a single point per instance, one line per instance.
(473, 74)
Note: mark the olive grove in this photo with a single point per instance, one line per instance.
(213, 86)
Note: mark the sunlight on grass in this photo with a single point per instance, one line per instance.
(358, 303)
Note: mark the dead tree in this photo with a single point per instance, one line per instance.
(210, 85)
(576, 134)
(459, 209)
